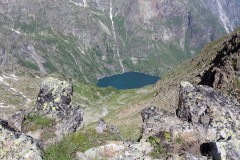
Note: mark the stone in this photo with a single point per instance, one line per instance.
(81, 156)
(225, 66)
(101, 126)
(16, 121)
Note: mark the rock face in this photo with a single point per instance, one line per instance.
(225, 67)
(208, 124)
(203, 106)
(54, 100)
(17, 146)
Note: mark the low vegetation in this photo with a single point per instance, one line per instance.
(35, 122)
(159, 148)
(78, 142)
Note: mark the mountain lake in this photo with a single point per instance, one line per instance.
(128, 80)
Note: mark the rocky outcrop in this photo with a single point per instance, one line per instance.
(206, 124)
(214, 114)
(54, 95)
(17, 146)
(202, 105)
(54, 100)
(225, 67)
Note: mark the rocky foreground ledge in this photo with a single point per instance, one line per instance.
(206, 125)
(15, 145)
(53, 108)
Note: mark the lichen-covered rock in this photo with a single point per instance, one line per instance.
(203, 106)
(206, 118)
(16, 121)
(155, 120)
(71, 121)
(17, 146)
(54, 95)
(54, 100)
(218, 117)
(118, 150)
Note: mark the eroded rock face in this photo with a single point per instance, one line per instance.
(54, 95)
(225, 67)
(17, 146)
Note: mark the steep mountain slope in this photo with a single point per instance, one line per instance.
(89, 39)
(225, 49)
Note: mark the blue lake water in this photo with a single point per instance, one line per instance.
(129, 80)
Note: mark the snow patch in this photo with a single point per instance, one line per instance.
(104, 112)
(77, 4)
(223, 17)
(84, 4)
(114, 35)
(167, 34)
(13, 77)
(104, 27)
(2, 80)
(134, 60)
(18, 32)
(104, 58)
